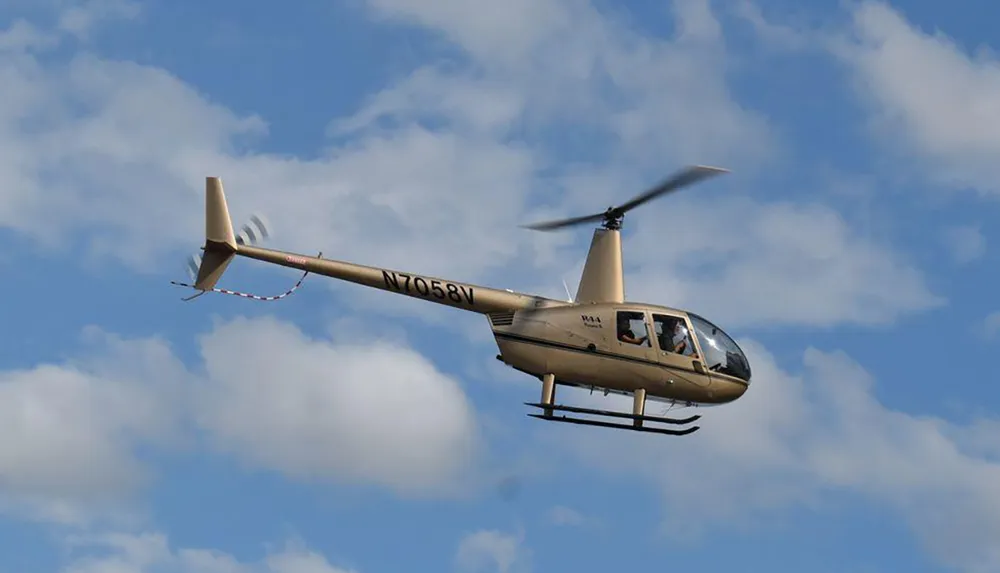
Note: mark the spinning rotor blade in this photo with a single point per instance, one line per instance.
(675, 182)
(679, 180)
(253, 232)
(560, 223)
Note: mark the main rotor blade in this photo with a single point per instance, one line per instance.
(561, 223)
(681, 179)
(675, 182)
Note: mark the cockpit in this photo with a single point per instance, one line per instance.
(672, 335)
(722, 354)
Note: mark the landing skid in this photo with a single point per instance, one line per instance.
(610, 414)
(637, 416)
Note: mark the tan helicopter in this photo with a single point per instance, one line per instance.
(598, 342)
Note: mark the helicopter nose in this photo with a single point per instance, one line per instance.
(728, 390)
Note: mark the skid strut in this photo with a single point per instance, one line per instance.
(638, 416)
(548, 393)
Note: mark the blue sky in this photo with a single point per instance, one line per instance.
(850, 251)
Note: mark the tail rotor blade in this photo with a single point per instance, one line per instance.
(194, 261)
(262, 225)
(253, 232)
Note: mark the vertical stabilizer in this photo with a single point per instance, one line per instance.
(220, 240)
(218, 225)
(603, 274)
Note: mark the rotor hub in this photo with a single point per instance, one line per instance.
(613, 219)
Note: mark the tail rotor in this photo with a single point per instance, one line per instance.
(222, 244)
(253, 233)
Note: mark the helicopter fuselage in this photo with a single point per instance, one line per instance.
(577, 343)
(580, 346)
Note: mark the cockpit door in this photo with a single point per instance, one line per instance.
(675, 346)
(633, 337)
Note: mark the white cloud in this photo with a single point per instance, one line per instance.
(479, 105)
(504, 33)
(570, 61)
(567, 516)
(780, 36)
(22, 35)
(470, 181)
(930, 100)
(979, 438)
(743, 262)
(359, 411)
(794, 439)
(151, 552)
(76, 19)
(991, 324)
(398, 194)
(446, 192)
(356, 412)
(965, 243)
(68, 432)
(492, 550)
(81, 19)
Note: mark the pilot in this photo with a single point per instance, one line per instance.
(625, 334)
(681, 341)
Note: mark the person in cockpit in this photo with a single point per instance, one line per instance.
(681, 342)
(625, 334)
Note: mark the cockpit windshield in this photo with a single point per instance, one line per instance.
(722, 354)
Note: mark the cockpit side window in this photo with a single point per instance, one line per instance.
(632, 328)
(673, 336)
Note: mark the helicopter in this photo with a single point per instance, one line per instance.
(599, 341)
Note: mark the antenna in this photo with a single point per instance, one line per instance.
(569, 297)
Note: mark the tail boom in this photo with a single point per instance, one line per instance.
(222, 246)
(464, 296)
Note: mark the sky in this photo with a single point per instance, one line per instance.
(850, 251)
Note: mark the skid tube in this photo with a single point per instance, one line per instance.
(638, 416)
(611, 414)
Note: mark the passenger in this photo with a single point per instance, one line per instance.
(625, 334)
(681, 341)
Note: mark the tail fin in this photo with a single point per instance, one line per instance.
(220, 240)
(222, 245)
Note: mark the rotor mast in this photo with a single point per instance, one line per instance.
(603, 278)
